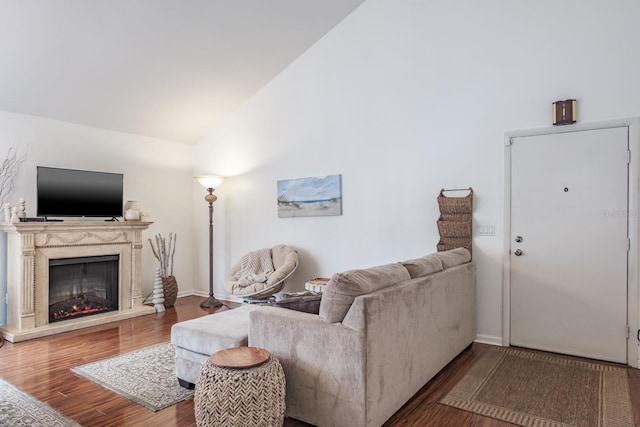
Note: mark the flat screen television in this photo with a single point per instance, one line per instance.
(78, 193)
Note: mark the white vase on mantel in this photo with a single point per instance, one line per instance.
(131, 211)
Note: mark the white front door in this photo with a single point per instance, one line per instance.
(569, 243)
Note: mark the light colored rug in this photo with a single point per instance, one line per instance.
(18, 409)
(533, 389)
(145, 376)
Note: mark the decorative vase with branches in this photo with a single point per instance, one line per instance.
(9, 169)
(164, 252)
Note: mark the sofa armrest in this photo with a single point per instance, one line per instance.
(324, 363)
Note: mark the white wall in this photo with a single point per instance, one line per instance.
(157, 173)
(403, 98)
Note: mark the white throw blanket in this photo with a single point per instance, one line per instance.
(255, 267)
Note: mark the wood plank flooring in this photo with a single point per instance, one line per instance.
(41, 367)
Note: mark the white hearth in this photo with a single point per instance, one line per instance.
(30, 246)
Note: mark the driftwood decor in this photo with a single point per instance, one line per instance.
(164, 253)
(8, 170)
(455, 222)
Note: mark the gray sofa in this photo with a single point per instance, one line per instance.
(381, 334)
(401, 324)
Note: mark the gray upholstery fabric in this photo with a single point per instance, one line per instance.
(413, 331)
(323, 364)
(344, 287)
(188, 364)
(390, 343)
(423, 266)
(197, 339)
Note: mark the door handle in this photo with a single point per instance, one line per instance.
(518, 252)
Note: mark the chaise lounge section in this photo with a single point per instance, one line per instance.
(196, 340)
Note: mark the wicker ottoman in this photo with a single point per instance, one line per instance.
(241, 386)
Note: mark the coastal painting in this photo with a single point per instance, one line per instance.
(313, 196)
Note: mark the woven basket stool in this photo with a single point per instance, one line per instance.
(241, 386)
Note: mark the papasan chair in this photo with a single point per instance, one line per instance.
(260, 274)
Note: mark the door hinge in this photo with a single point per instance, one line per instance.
(628, 331)
(628, 156)
(628, 245)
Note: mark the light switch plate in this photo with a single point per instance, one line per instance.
(486, 230)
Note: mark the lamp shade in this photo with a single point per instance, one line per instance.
(210, 181)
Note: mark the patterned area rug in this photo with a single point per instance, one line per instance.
(532, 389)
(18, 409)
(145, 376)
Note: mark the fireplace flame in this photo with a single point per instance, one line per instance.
(79, 307)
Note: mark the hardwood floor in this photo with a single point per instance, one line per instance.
(41, 367)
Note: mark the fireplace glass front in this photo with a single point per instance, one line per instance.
(82, 286)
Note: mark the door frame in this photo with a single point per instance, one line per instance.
(633, 262)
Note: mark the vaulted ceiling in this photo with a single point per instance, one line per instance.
(170, 69)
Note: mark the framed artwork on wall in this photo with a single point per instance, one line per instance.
(312, 196)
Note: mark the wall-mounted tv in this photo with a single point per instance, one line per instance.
(78, 193)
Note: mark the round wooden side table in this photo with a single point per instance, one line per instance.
(240, 386)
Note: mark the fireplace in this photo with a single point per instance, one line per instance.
(82, 286)
(32, 246)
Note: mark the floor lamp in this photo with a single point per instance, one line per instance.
(210, 183)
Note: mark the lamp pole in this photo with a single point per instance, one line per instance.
(211, 301)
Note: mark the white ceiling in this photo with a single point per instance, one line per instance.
(170, 69)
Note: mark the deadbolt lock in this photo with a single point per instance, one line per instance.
(518, 239)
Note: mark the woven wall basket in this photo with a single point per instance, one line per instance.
(448, 243)
(170, 290)
(454, 228)
(455, 205)
(455, 224)
(455, 217)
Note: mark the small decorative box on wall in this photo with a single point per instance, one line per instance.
(564, 112)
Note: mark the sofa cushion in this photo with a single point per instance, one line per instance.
(423, 266)
(208, 334)
(304, 303)
(454, 257)
(344, 287)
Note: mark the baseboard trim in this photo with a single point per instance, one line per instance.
(191, 293)
(489, 339)
(206, 294)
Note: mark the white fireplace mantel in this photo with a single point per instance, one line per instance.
(30, 245)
